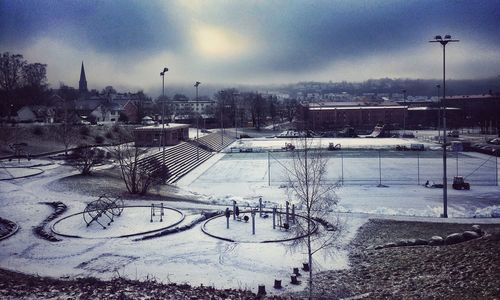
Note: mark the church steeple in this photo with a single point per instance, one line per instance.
(82, 87)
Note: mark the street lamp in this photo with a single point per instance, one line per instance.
(439, 115)
(162, 136)
(235, 114)
(197, 121)
(223, 94)
(404, 112)
(447, 39)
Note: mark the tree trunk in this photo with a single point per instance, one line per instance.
(309, 253)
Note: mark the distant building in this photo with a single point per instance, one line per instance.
(36, 113)
(478, 110)
(152, 136)
(186, 107)
(82, 84)
(337, 115)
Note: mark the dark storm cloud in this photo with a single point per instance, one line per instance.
(107, 26)
(305, 35)
(282, 39)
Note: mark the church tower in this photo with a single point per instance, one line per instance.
(82, 87)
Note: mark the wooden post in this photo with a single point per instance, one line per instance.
(260, 207)
(253, 222)
(274, 217)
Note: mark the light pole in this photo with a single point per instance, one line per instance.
(404, 112)
(447, 39)
(439, 115)
(235, 103)
(162, 136)
(221, 120)
(197, 121)
(11, 107)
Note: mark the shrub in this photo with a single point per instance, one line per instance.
(84, 130)
(38, 130)
(99, 139)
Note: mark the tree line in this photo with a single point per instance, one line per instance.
(23, 81)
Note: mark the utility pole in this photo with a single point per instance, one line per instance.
(162, 136)
(447, 39)
(197, 122)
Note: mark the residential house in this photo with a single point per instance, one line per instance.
(36, 113)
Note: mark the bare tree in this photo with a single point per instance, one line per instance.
(290, 109)
(307, 185)
(85, 158)
(34, 75)
(7, 135)
(67, 134)
(138, 172)
(11, 67)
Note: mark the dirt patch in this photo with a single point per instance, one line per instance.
(94, 185)
(15, 285)
(109, 182)
(7, 228)
(467, 270)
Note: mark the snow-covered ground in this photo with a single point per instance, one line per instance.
(196, 258)
(245, 177)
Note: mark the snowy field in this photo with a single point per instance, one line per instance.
(196, 258)
(245, 177)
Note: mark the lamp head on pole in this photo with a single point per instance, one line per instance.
(165, 70)
(446, 40)
(197, 83)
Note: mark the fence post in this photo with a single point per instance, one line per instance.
(379, 169)
(274, 217)
(268, 168)
(342, 164)
(418, 168)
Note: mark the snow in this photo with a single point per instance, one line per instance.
(196, 258)
(132, 221)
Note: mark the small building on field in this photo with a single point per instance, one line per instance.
(154, 135)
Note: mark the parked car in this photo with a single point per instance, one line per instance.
(495, 141)
(454, 133)
(417, 147)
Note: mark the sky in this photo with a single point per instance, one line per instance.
(127, 43)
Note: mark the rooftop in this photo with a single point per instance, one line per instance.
(168, 126)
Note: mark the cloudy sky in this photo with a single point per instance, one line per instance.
(127, 43)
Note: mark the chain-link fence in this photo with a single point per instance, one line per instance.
(386, 167)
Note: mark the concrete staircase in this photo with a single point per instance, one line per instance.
(184, 157)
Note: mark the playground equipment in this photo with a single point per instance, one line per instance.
(333, 147)
(286, 224)
(20, 151)
(103, 207)
(348, 131)
(288, 147)
(157, 209)
(460, 184)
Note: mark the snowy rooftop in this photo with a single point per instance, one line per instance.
(160, 126)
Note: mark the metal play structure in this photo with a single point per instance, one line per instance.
(104, 207)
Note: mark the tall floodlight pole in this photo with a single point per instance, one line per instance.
(221, 121)
(447, 39)
(162, 136)
(404, 112)
(197, 122)
(235, 102)
(438, 127)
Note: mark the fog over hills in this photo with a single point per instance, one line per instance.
(417, 87)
